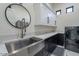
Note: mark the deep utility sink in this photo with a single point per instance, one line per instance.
(16, 45)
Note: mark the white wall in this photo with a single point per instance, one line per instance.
(69, 19)
(6, 30)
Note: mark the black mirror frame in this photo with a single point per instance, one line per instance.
(7, 17)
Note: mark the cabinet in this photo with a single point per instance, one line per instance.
(57, 39)
(43, 15)
(52, 42)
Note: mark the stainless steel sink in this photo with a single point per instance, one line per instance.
(13, 46)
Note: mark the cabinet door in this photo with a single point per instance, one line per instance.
(43, 12)
(47, 16)
(52, 18)
(37, 13)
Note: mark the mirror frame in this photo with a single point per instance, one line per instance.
(8, 19)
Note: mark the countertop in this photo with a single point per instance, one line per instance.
(42, 36)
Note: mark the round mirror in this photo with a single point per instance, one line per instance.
(18, 16)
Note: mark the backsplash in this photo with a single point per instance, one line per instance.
(42, 29)
(4, 38)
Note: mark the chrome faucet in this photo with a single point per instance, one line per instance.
(23, 28)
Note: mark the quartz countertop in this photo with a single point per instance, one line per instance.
(42, 36)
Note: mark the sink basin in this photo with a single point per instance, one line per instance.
(15, 45)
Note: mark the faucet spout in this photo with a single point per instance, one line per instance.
(23, 28)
